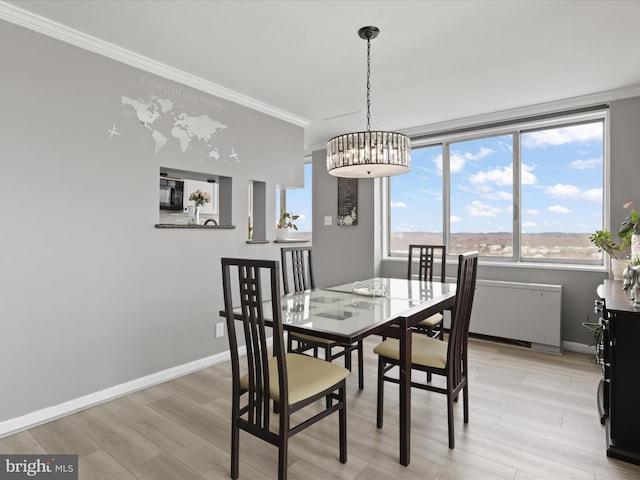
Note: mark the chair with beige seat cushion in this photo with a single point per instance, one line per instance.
(297, 268)
(292, 380)
(428, 354)
(426, 255)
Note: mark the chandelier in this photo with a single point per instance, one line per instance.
(368, 154)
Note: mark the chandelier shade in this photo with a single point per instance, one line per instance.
(368, 154)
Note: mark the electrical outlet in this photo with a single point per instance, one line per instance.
(219, 330)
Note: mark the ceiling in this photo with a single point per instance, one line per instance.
(434, 61)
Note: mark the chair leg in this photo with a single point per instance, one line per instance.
(465, 402)
(380, 400)
(235, 448)
(450, 420)
(342, 418)
(360, 365)
(283, 443)
(282, 458)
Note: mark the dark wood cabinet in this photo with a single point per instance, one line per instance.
(619, 391)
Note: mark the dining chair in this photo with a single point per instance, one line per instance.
(292, 380)
(426, 254)
(428, 354)
(297, 268)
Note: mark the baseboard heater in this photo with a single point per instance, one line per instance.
(526, 312)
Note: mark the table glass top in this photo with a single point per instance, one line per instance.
(402, 288)
(337, 310)
(340, 312)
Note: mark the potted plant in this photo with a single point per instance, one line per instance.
(630, 231)
(596, 330)
(601, 239)
(285, 223)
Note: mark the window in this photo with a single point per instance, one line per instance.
(481, 185)
(526, 191)
(562, 191)
(298, 202)
(416, 201)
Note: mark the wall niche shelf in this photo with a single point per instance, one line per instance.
(293, 240)
(257, 242)
(196, 227)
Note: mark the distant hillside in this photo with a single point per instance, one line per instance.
(534, 245)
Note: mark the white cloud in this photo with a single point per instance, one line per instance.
(532, 211)
(561, 136)
(483, 152)
(438, 163)
(526, 177)
(585, 164)
(479, 209)
(456, 163)
(593, 194)
(559, 209)
(500, 176)
(504, 176)
(561, 190)
(455, 219)
(499, 195)
(529, 224)
(398, 204)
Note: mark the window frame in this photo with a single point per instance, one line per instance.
(515, 128)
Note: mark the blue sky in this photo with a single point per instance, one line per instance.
(561, 184)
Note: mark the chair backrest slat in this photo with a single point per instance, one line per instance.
(301, 271)
(426, 261)
(249, 312)
(459, 333)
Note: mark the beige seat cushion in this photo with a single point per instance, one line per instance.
(307, 376)
(311, 338)
(432, 321)
(425, 351)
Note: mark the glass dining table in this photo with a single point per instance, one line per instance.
(352, 311)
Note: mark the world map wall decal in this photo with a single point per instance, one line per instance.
(194, 132)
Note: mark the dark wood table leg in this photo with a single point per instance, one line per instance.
(405, 393)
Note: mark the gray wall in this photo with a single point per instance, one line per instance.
(353, 247)
(92, 295)
(341, 253)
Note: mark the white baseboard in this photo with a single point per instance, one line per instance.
(15, 425)
(579, 348)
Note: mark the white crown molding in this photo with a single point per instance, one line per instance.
(69, 35)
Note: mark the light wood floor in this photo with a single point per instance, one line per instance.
(532, 416)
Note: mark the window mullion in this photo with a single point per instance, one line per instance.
(446, 196)
(517, 197)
